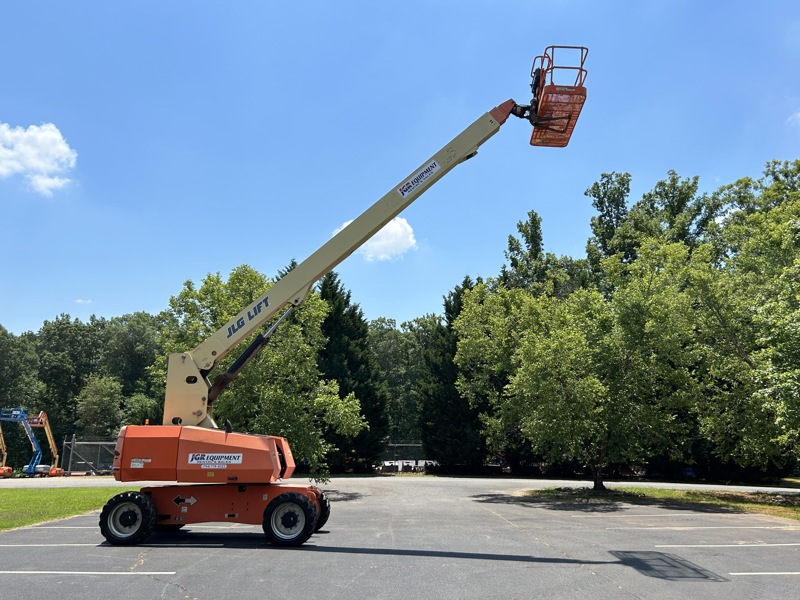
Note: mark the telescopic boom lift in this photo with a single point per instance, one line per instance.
(28, 422)
(5, 471)
(249, 471)
(41, 421)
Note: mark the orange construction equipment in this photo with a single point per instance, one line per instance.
(4, 470)
(28, 422)
(41, 421)
(248, 467)
(558, 95)
(249, 473)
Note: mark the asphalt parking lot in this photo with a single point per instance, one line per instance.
(423, 537)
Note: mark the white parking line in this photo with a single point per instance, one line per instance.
(721, 545)
(769, 573)
(687, 527)
(41, 545)
(637, 516)
(192, 525)
(217, 545)
(88, 572)
(64, 527)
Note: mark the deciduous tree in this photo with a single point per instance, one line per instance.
(99, 408)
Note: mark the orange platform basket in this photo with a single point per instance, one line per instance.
(558, 94)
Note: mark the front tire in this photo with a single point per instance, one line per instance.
(289, 520)
(128, 518)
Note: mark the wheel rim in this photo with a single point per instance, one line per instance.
(288, 520)
(125, 519)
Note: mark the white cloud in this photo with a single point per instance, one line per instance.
(40, 154)
(394, 240)
(82, 301)
(794, 119)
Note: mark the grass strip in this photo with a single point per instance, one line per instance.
(27, 506)
(772, 504)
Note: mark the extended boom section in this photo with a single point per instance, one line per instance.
(187, 396)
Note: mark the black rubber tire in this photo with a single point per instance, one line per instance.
(324, 511)
(289, 519)
(128, 518)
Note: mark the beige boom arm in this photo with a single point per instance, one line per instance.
(3, 449)
(187, 395)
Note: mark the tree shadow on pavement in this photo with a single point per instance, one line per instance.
(583, 500)
(339, 496)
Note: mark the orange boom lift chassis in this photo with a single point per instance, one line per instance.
(222, 476)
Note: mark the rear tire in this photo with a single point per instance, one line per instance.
(128, 518)
(289, 520)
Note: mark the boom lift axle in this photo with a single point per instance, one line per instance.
(250, 471)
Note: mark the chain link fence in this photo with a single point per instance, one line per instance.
(87, 457)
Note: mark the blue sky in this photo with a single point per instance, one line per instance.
(143, 144)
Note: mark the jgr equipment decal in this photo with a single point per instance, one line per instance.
(418, 178)
(204, 458)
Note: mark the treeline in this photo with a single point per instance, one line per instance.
(673, 341)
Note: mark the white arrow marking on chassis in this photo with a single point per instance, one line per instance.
(181, 500)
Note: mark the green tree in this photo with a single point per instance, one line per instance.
(609, 197)
(525, 255)
(140, 409)
(69, 353)
(530, 268)
(19, 387)
(450, 428)
(19, 364)
(280, 392)
(130, 348)
(99, 407)
(556, 394)
(348, 359)
(539, 274)
(489, 330)
(598, 380)
(399, 363)
(672, 211)
(745, 280)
